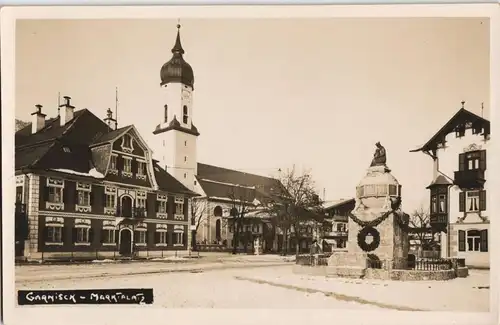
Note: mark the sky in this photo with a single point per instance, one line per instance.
(274, 93)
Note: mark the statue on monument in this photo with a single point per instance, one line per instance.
(379, 157)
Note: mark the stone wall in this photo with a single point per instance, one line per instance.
(416, 275)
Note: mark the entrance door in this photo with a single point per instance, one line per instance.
(126, 207)
(125, 242)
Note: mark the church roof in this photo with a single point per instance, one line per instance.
(462, 117)
(44, 150)
(177, 69)
(227, 184)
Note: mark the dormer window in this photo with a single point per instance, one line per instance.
(460, 131)
(185, 114)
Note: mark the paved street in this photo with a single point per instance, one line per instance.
(259, 282)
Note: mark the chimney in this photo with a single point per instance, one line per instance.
(37, 119)
(110, 121)
(67, 111)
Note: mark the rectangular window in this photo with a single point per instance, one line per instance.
(141, 237)
(112, 162)
(84, 198)
(82, 235)
(178, 238)
(108, 236)
(19, 194)
(472, 201)
(54, 234)
(162, 206)
(442, 203)
(141, 203)
(473, 241)
(179, 206)
(163, 238)
(127, 165)
(141, 170)
(110, 201)
(55, 194)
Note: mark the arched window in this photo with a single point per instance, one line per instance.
(166, 113)
(185, 114)
(218, 211)
(218, 229)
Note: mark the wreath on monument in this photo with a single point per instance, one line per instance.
(362, 239)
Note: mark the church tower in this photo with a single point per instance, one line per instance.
(176, 132)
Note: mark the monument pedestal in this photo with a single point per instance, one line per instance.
(375, 236)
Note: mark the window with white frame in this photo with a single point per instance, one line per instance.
(140, 237)
(472, 201)
(178, 238)
(442, 203)
(83, 194)
(162, 203)
(110, 200)
(161, 235)
(141, 168)
(55, 194)
(141, 203)
(108, 235)
(53, 233)
(127, 164)
(127, 141)
(112, 162)
(82, 235)
(179, 205)
(473, 241)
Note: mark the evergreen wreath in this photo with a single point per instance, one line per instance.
(363, 233)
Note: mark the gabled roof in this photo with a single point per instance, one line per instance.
(440, 180)
(219, 182)
(461, 117)
(168, 183)
(112, 135)
(336, 203)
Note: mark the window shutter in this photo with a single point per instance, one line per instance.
(169, 238)
(134, 166)
(45, 233)
(461, 241)
(119, 163)
(482, 200)
(482, 160)
(91, 235)
(76, 196)
(461, 162)
(136, 236)
(484, 240)
(45, 193)
(185, 237)
(185, 207)
(91, 198)
(157, 206)
(461, 202)
(117, 236)
(63, 234)
(157, 237)
(74, 234)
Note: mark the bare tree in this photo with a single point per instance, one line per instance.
(296, 206)
(20, 124)
(420, 224)
(198, 216)
(238, 213)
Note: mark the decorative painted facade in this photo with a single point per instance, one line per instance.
(459, 190)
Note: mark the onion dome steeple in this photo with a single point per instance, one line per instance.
(177, 70)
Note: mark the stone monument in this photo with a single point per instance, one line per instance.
(377, 235)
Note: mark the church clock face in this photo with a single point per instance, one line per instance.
(186, 96)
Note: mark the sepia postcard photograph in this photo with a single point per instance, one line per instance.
(184, 161)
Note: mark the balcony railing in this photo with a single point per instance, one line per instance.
(470, 178)
(130, 212)
(439, 219)
(336, 234)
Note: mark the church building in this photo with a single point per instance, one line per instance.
(458, 190)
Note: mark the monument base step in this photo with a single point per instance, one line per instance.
(346, 272)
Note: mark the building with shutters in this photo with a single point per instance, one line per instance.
(335, 226)
(86, 189)
(458, 190)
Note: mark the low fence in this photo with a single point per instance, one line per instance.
(313, 260)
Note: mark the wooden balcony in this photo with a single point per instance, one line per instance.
(438, 222)
(470, 178)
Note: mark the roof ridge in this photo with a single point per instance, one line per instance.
(238, 171)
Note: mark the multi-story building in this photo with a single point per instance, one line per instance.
(91, 189)
(458, 190)
(335, 224)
